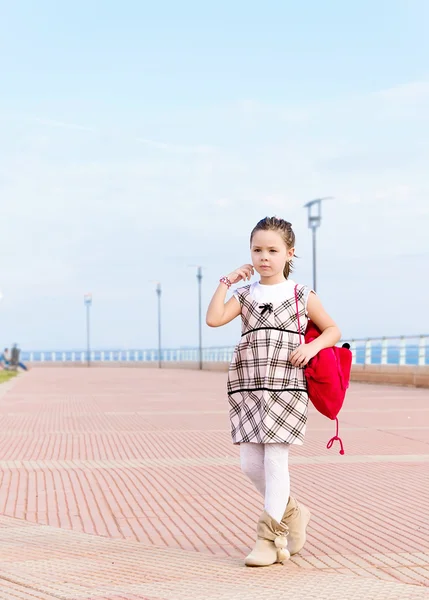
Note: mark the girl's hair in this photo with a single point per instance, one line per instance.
(285, 229)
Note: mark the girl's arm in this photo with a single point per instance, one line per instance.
(219, 313)
(329, 337)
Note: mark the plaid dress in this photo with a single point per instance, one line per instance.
(267, 394)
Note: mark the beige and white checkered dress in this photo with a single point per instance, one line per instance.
(267, 394)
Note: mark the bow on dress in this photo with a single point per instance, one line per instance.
(266, 308)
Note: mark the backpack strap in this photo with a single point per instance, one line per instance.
(297, 313)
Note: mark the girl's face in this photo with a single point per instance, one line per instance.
(269, 255)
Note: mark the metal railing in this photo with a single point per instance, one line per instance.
(403, 350)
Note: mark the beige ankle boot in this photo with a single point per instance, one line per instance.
(271, 545)
(296, 519)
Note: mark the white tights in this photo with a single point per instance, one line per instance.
(267, 466)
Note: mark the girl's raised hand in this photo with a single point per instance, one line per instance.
(243, 273)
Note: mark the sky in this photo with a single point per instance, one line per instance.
(140, 139)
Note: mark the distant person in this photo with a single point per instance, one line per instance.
(15, 358)
(267, 388)
(5, 358)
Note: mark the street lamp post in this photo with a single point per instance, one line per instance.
(159, 292)
(200, 334)
(314, 219)
(88, 303)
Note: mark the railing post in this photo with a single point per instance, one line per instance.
(384, 351)
(402, 352)
(82, 356)
(353, 351)
(422, 351)
(368, 347)
(42, 357)
(73, 356)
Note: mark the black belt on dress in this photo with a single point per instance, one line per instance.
(275, 328)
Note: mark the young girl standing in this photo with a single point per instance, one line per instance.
(266, 384)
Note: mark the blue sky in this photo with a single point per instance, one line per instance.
(138, 140)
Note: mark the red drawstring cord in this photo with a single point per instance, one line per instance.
(334, 439)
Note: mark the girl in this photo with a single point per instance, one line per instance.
(266, 384)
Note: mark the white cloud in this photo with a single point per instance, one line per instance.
(62, 125)
(222, 202)
(408, 100)
(178, 148)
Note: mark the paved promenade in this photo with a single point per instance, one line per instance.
(123, 484)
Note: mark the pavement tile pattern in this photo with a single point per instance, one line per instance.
(124, 484)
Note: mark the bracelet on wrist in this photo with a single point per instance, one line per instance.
(226, 281)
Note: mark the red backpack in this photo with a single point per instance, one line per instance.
(327, 375)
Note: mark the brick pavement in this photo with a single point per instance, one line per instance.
(123, 484)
